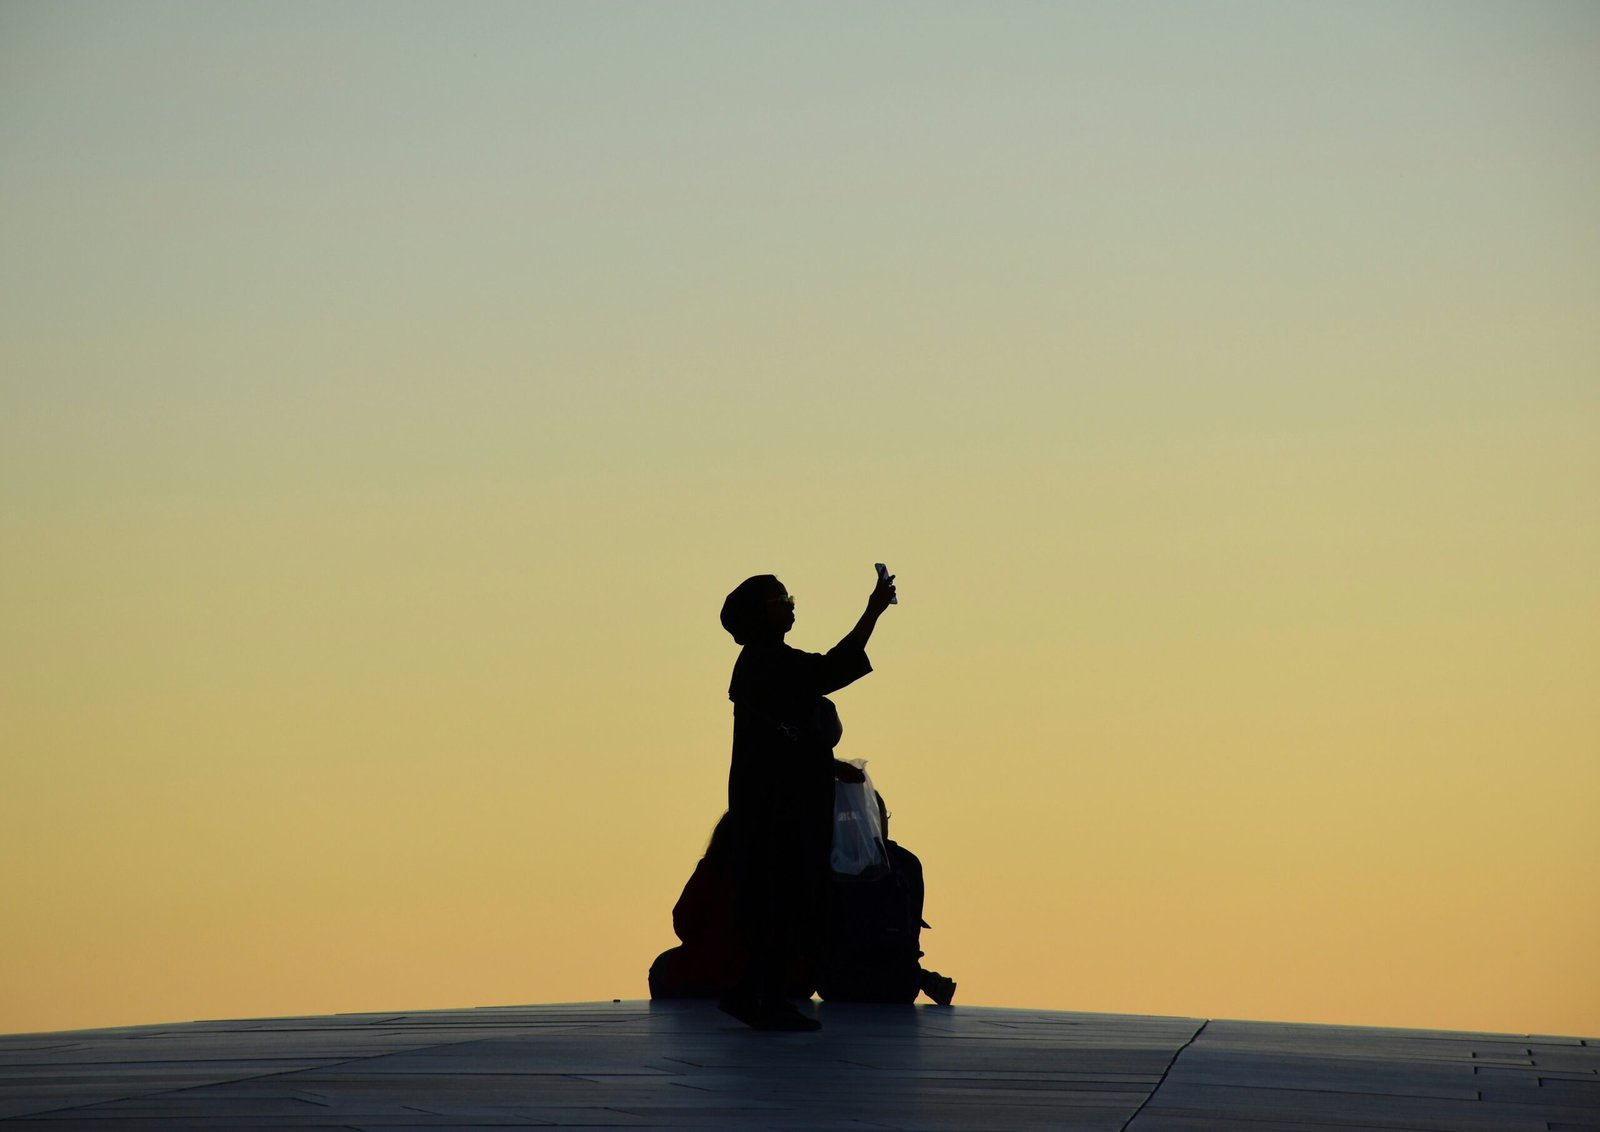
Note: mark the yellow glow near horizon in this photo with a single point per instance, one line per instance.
(391, 394)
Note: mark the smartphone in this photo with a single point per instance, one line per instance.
(883, 576)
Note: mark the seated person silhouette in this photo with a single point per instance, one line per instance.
(711, 957)
(873, 947)
(874, 935)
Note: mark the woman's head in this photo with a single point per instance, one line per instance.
(759, 608)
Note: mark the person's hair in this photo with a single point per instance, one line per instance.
(744, 611)
(720, 847)
(825, 722)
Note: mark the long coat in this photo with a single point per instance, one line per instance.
(780, 797)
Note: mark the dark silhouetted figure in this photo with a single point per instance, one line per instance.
(780, 790)
(711, 957)
(874, 935)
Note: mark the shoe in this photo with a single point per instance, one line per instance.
(778, 1015)
(939, 988)
(782, 1016)
(746, 1010)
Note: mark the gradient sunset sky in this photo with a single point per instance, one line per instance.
(390, 392)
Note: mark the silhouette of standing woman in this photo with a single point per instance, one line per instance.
(780, 788)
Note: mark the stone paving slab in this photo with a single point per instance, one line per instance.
(685, 1065)
(1266, 1077)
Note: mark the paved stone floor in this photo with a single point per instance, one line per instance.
(684, 1065)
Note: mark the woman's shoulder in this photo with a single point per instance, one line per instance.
(770, 654)
(766, 669)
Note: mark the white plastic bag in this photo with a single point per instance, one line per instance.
(858, 849)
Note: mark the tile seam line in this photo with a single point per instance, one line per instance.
(1164, 1074)
(338, 1064)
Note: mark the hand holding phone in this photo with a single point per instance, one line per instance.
(883, 579)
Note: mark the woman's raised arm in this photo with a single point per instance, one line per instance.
(883, 595)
